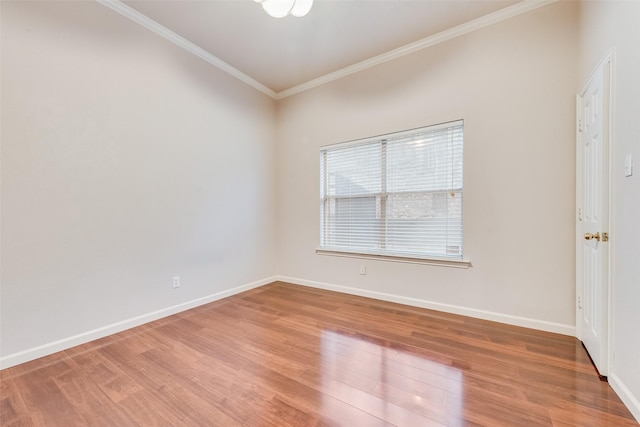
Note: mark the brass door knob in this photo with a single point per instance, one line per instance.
(589, 236)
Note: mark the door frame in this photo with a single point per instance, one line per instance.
(607, 66)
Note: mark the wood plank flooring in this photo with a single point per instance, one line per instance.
(286, 355)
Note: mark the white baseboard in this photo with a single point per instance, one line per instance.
(632, 402)
(82, 338)
(448, 308)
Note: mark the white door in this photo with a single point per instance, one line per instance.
(592, 256)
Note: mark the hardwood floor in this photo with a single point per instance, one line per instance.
(286, 355)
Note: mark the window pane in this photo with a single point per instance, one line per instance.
(353, 222)
(353, 170)
(428, 223)
(431, 162)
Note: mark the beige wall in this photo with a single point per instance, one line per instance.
(125, 161)
(514, 84)
(605, 26)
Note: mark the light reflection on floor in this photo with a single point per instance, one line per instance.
(397, 386)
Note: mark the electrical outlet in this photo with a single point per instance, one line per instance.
(363, 270)
(176, 282)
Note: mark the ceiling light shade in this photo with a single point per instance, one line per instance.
(278, 8)
(301, 8)
(282, 8)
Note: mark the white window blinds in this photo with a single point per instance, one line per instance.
(397, 194)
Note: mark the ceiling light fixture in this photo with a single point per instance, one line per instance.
(282, 8)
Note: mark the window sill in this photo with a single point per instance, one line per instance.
(442, 262)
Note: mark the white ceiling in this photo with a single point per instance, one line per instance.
(287, 52)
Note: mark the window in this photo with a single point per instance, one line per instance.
(397, 195)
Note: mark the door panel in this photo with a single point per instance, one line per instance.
(593, 205)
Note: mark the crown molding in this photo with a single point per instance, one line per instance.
(163, 31)
(443, 36)
(467, 27)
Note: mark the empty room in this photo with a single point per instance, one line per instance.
(314, 213)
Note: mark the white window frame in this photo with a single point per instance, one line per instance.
(448, 261)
